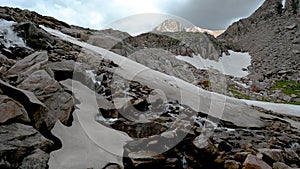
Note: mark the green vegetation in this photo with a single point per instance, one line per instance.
(287, 87)
(239, 95)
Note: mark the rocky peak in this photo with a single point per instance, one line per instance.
(269, 8)
(169, 25)
(172, 25)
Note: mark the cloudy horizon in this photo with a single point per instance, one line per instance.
(135, 16)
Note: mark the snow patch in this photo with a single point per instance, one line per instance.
(242, 84)
(283, 3)
(8, 37)
(230, 65)
(287, 109)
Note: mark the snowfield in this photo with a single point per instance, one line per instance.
(230, 65)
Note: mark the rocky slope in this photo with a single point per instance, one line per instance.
(35, 93)
(271, 35)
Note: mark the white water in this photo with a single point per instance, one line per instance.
(229, 65)
(8, 37)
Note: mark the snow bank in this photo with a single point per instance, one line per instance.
(229, 65)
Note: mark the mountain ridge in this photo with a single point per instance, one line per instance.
(173, 25)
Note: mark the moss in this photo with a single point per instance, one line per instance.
(287, 87)
(239, 95)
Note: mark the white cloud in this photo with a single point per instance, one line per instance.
(98, 13)
(92, 13)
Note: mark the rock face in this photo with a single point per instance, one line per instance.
(178, 43)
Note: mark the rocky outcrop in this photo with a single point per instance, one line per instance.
(271, 36)
(178, 43)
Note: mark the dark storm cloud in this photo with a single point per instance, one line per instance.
(214, 14)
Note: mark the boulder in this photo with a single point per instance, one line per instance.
(18, 141)
(272, 155)
(252, 162)
(231, 164)
(28, 65)
(58, 102)
(37, 160)
(11, 109)
(280, 165)
(30, 102)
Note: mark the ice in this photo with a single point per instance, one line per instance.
(229, 65)
(8, 37)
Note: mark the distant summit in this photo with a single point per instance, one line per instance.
(172, 25)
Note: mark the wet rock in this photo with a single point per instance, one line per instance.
(37, 160)
(12, 110)
(231, 164)
(18, 141)
(28, 65)
(252, 162)
(59, 103)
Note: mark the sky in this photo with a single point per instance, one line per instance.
(136, 16)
